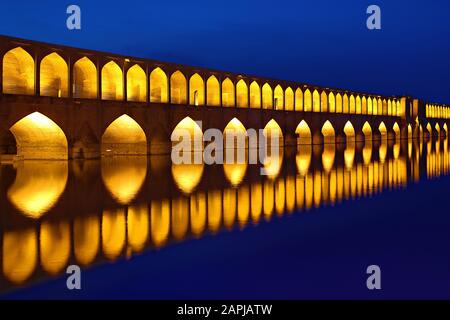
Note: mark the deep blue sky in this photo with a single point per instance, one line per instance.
(321, 42)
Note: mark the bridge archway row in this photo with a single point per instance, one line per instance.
(94, 76)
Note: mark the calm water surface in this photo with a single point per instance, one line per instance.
(142, 227)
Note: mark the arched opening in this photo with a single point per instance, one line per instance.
(380, 107)
(349, 132)
(307, 101)
(396, 129)
(112, 82)
(438, 129)
(289, 99)
(369, 106)
(158, 86)
(228, 93)
(235, 135)
(273, 133)
(383, 130)
(187, 129)
(345, 106)
(324, 101)
(124, 136)
(124, 176)
(352, 108)
(358, 105)
(364, 105)
(38, 186)
(367, 131)
(178, 88)
(242, 94)
(235, 172)
(136, 84)
(39, 137)
(196, 90)
(255, 95)
(329, 135)
(338, 103)
(18, 72)
(304, 133)
(445, 129)
(213, 92)
(267, 99)
(54, 76)
(84, 79)
(278, 98)
(316, 101)
(331, 102)
(298, 100)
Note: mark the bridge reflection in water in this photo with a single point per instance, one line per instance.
(56, 213)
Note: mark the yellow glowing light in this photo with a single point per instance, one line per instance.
(137, 227)
(178, 94)
(86, 239)
(255, 95)
(18, 72)
(158, 86)
(304, 133)
(84, 79)
(113, 233)
(54, 76)
(54, 246)
(20, 252)
(187, 176)
(160, 222)
(136, 84)
(303, 159)
(124, 176)
(38, 137)
(227, 93)
(38, 186)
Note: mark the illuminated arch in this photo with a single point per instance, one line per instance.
(367, 131)
(212, 92)
(369, 106)
(380, 107)
(178, 88)
(38, 137)
(331, 102)
(339, 103)
(272, 128)
(289, 99)
(196, 90)
(123, 176)
(304, 133)
(316, 101)
(307, 101)
(267, 98)
(242, 94)
(158, 86)
(228, 93)
(385, 107)
(298, 100)
(84, 79)
(383, 130)
(18, 72)
(349, 132)
(358, 105)
(193, 129)
(136, 84)
(396, 129)
(112, 82)
(124, 136)
(328, 132)
(389, 107)
(38, 186)
(235, 172)
(20, 254)
(278, 98)
(324, 101)
(352, 105)
(345, 107)
(235, 130)
(54, 76)
(255, 95)
(429, 129)
(364, 105)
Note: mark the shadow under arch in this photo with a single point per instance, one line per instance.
(39, 137)
(124, 136)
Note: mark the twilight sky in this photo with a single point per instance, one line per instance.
(323, 42)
